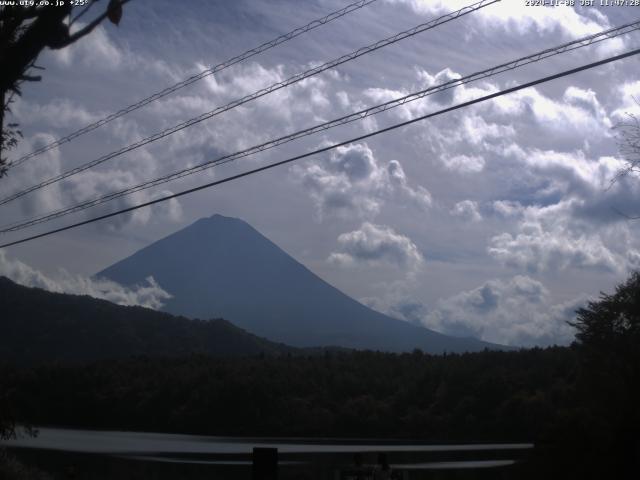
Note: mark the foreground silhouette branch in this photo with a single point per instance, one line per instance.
(25, 31)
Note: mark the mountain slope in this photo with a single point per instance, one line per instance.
(40, 326)
(223, 267)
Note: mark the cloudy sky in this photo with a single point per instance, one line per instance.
(495, 221)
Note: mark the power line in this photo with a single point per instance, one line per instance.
(199, 76)
(260, 93)
(329, 147)
(522, 61)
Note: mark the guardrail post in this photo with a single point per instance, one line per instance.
(265, 464)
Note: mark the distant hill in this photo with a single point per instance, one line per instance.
(223, 267)
(39, 326)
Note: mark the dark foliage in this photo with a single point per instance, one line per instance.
(12, 469)
(486, 396)
(612, 321)
(40, 326)
(25, 31)
(608, 341)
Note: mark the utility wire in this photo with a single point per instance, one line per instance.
(199, 76)
(330, 147)
(260, 93)
(569, 46)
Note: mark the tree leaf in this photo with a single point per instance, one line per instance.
(114, 11)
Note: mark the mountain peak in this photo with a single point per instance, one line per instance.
(220, 224)
(216, 217)
(222, 267)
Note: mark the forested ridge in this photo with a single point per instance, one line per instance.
(39, 326)
(504, 396)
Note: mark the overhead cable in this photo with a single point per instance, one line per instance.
(260, 93)
(328, 148)
(360, 115)
(199, 76)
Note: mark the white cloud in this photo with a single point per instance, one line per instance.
(59, 113)
(511, 16)
(121, 173)
(47, 165)
(527, 118)
(420, 196)
(571, 172)
(431, 102)
(516, 312)
(343, 98)
(464, 163)
(467, 210)
(96, 50)
(400, 307)
(305, 97)
(585, 99)
(377, 244)
(628, 94)
(249, 78)
(536, 249)
(573, 223)
(507, 208)
(352, 181)
(171, 209)
(478, 132)
(555, 238)
(577, 115)
(99, 52)
(149, 295)
(96, 183)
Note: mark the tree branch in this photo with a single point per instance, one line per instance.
(84, 10)
(90, 27)
(20, 13)
(30, 78)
